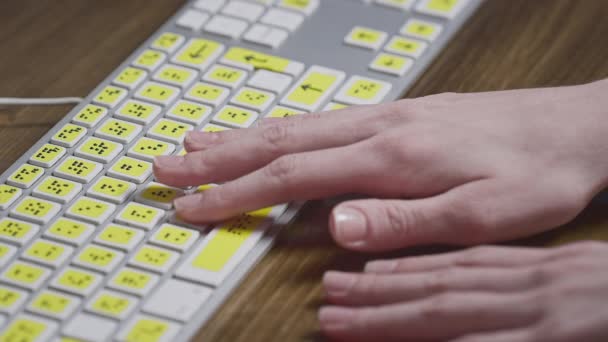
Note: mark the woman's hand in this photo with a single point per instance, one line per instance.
(450, 168)
(485, 294)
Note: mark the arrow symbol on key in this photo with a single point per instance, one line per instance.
(309, 86)
(198, 52)
(251, 58)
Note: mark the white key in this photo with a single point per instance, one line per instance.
(36, 210)
(156, 194)
(53, 188)
(243, 10)
(16, 192)
(174, 237)
(230, 77)
(362, 91)
(141, 94)
(225, 26)
(137, 328)
(193, 20)
(171, 77)
(284, 19)
(149, 214)
(176, 299)
(16, 231)
(250, 98)
(47, 329)
(17, 274)
(125, 162)
(229, 116)
(67, 226)
(154, 259)
(307, 95)
(401, 40)
(19, 298)
(266, 35)
(407, 65)
(133, 281)
(127, 303)
(129, 237)
(7, 252)
(70, 302)
(450, 11)
(134, 111)
(93, 151)
(2, 320)
(47, 253)
(98, 258)
(91, 281)
(108, 184)
(407, 29)
(133, 152)
(80, 167)
(209, 5)
(90, 328)
(268, 80)
(189, 112)
(404, 5)
(356, 38)
(43, 158)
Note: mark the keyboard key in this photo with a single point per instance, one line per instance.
(8, 195)
(130, 77)
(131, 169)
(78, 169)
(192, 20)
(71, 134)
(110, 96)
(150, 60)
(271, 81)
(77, 281)
(25, 176)
(211, 6)
(140, 215)
(111, 189)
(366, 38)
(157, 93)
(334, 106)
(303, 6)
(169, 130)
(16, 231)
(111, 304)
(250, 60)
(27, 328)
(399, 4)
(138, 112)
(99, 150)
(148, 328)
(391, 64)
(235, 117)
(133, 281)
(120, 237)
(207, 93)
(25, 275)
(198, 53)
(11, 299)
(406, 46)
(422, 29)
(225, 76)
(57, 189)
(98, 258)
(188, 111)
(361, 91)
(282, 112)
(118, 130)
(154, 259)
(317, 84)
(89, 116)
(266, 35)
(47, 155)
(85, 327)
(176, 75)
(226, 26)
(148, 148)
(283, 19)
(176, 299)
(69, 231)
(448, 9)
(54, 304)
(6, 254)
(174, 237)
(250, 98)
(48, 253)
(213, 128)
(243, 10)
(168, 42)
(36, 210)
(90, 210)
(159, 195)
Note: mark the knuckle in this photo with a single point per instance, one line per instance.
(438, 282)
(401, 223)
(275, 137)
(436, 308)
(544, 274)
(282, 168)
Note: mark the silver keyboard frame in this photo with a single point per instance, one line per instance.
(319, 32)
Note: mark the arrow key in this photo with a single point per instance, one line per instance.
(311, 91)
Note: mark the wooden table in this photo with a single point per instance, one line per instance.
(66, 47)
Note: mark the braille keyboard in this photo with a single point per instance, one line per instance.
(90, 248)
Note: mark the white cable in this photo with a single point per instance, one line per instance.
(15, 101)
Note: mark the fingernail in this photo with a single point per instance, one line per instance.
(338, 284)
(187, 202)
(349, 226)
(167, 161)
(380, 266)
(334, 318)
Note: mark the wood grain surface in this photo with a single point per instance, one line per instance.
(66, 47)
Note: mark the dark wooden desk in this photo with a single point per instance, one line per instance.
(66, 47)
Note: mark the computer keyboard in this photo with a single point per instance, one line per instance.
(90, 248)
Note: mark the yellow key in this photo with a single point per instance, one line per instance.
(137, 111)
(207, 93)
(391, 64)
(17, 231)
(36, 210)
(251, 60)
(406, 46)
(442, 8)
(226, 76)
(69, 231)
(149, 329)
(175, 75)
(214, 128)
(69, 135)
(253, 99)
(130, 169)
(48, 253)
(26, 328)
(120, 237)
(25, 176)
(54, 304)
(363, 91)
(313, 88)
(235, 117)
(111, 189)
(110, 96)
(133, 281)
(154, 259)
(282, 112)
(91, 210)
(169, 130)
(150, 59)
(148, 148)
(57, 189)
(190, 112)
(25, 274)
(8, 195)
(366, 37)
(77, 281)
(112, 304)
(130, 77)
(11, 299)
(421, 29)
(334, 106)
(305, 6)
(98, 258)
(159, 195)
(78, 169)
(47, 155)
(99, 150)
(118, 130)
(168, 42)
(6, 253)
(140, 215)
(204, 187)
(198, 53)
(400, 4)
(157, 93)
(90, 115)
(174, 237)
